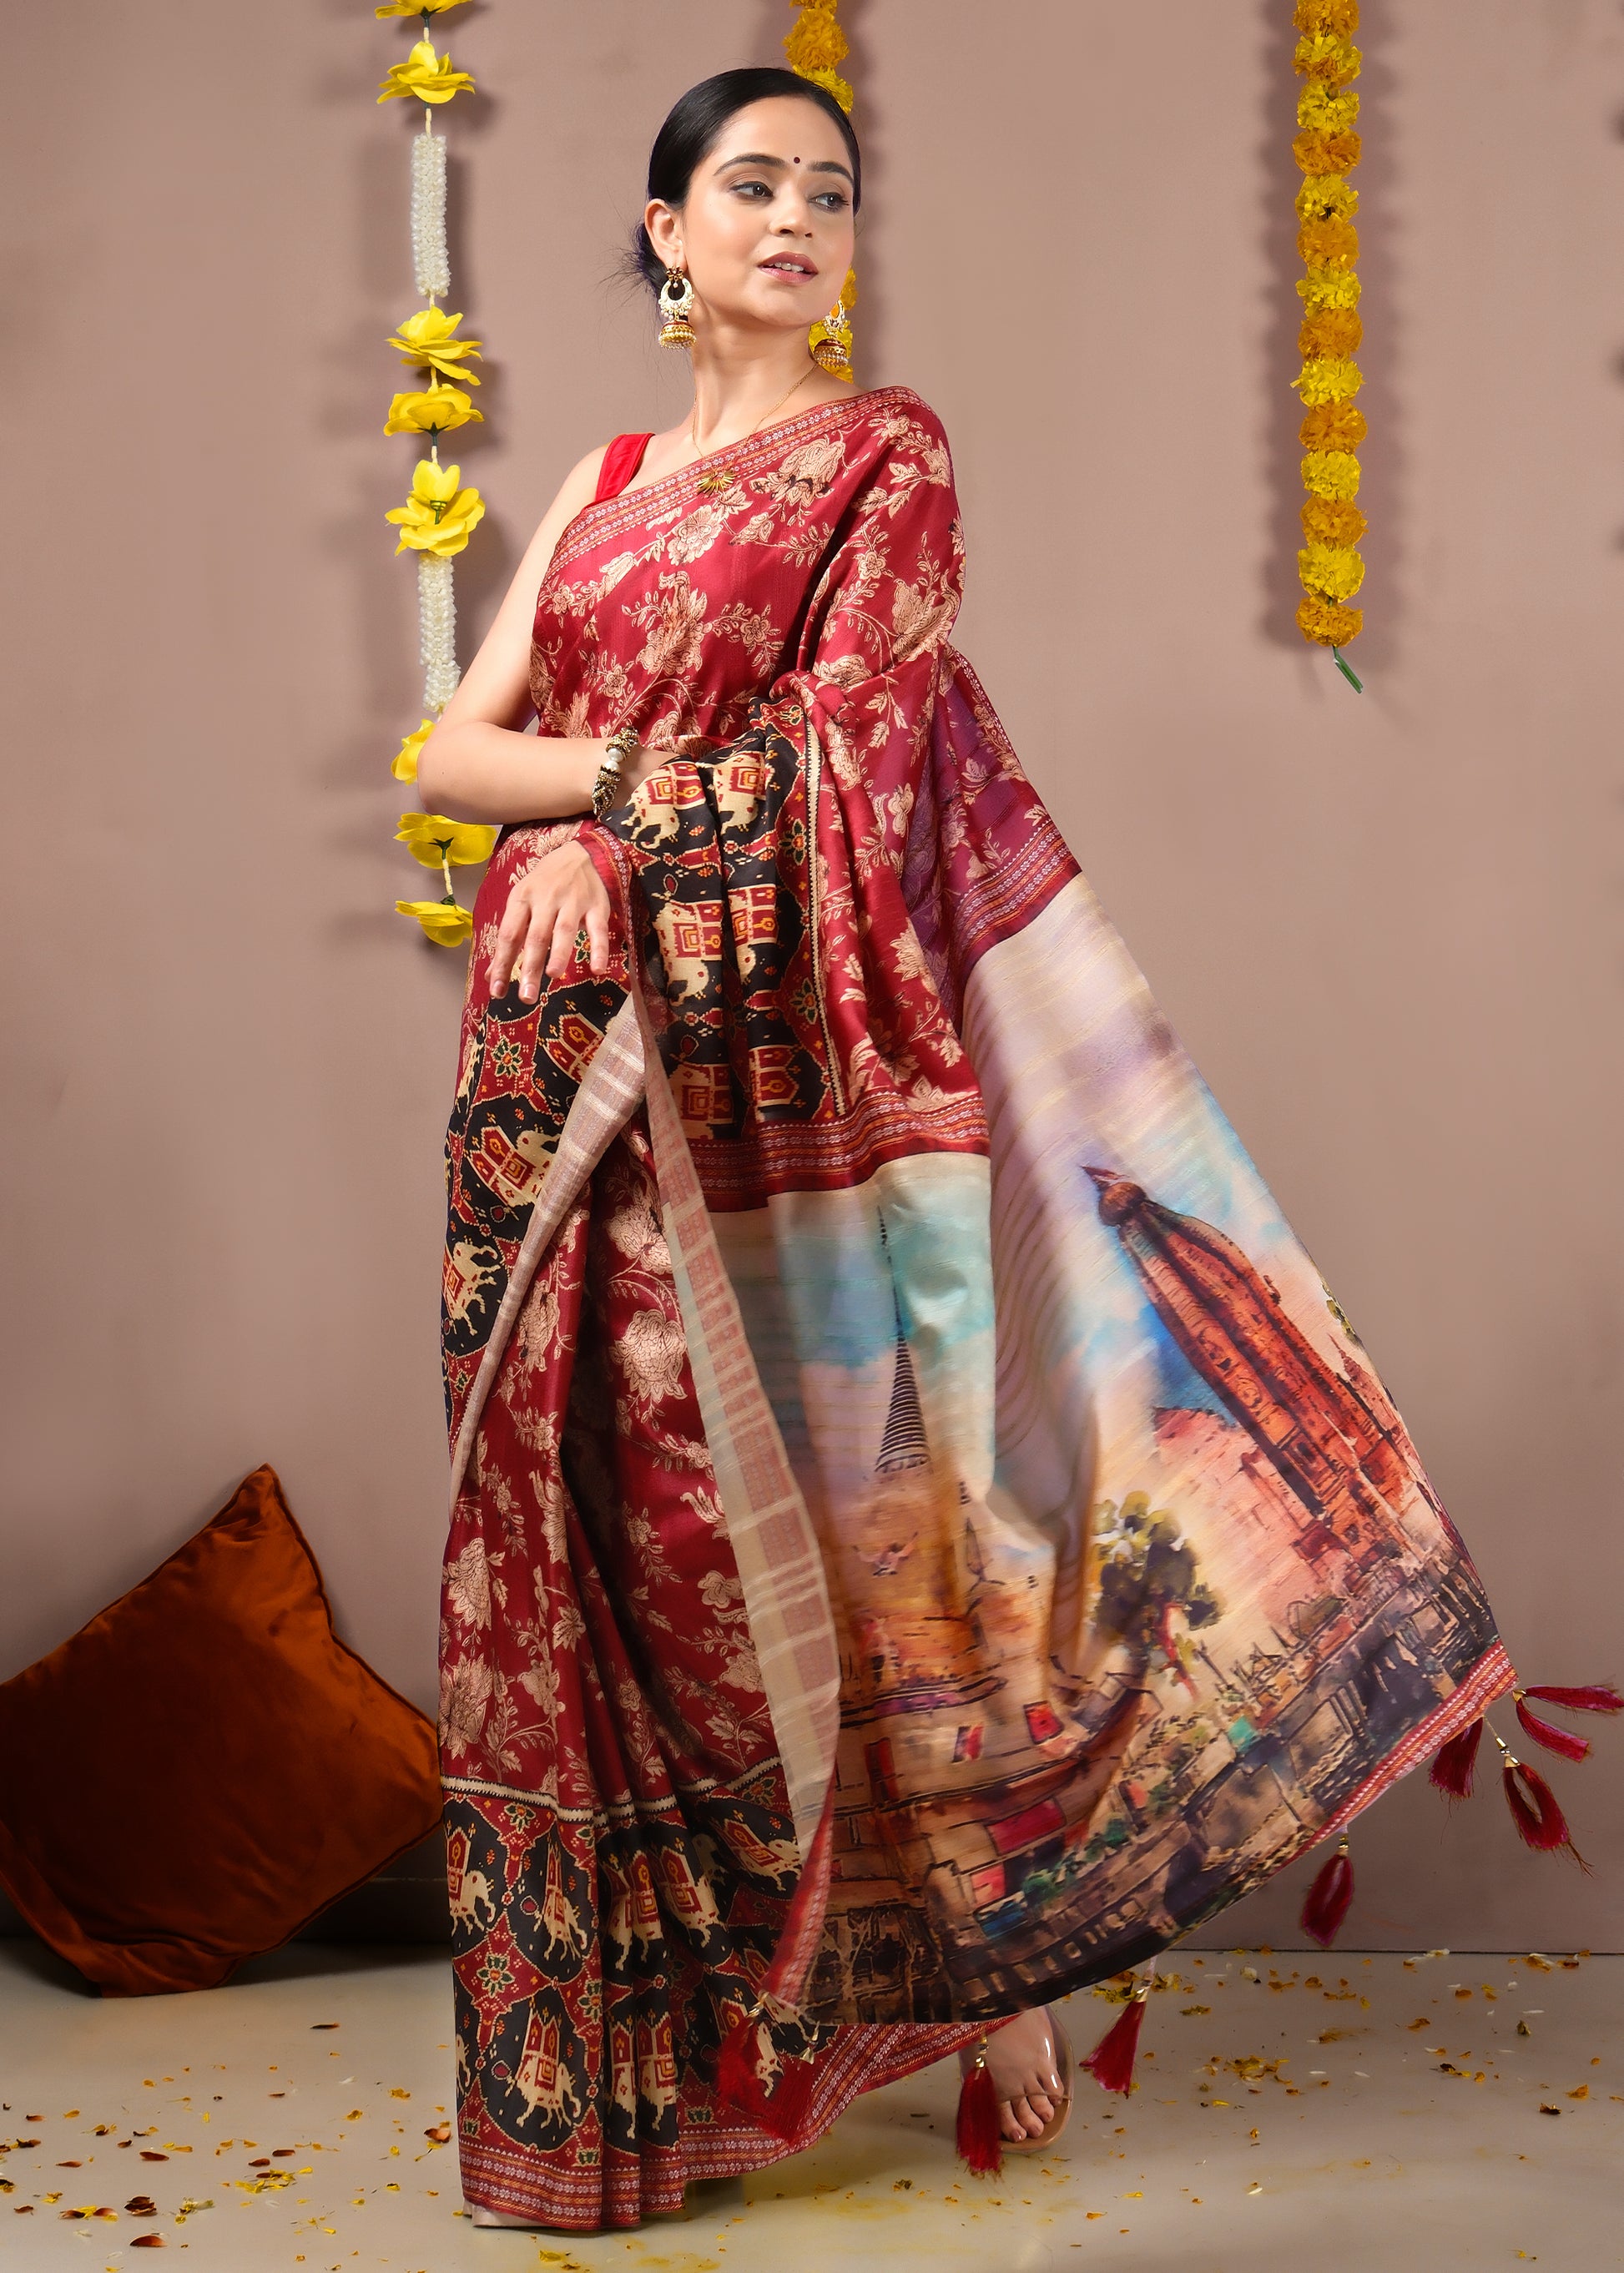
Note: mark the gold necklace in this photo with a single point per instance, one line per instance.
(693, 432)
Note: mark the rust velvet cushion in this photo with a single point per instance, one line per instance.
(204, 1765)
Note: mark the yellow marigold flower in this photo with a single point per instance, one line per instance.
(1328, 378)
(1334, 570)
(434, 411)
(1327, 154)
(832, 84)
(1330, 287)
(1328, 244)
(1329, 331)
(1330, 625)
(405, 766)
(423, 76)
(445, 923)
(1328, 109)
(1331, 473)
(1325, 195)
(438, 517)
(1332, 521)
(1339, 16)
(416, 8)
(1331, 426)
(427, 340)
(814, 41)
(434, 840)
(1323, 56)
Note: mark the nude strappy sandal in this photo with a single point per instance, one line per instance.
(1061, 2115)
(980, 2139)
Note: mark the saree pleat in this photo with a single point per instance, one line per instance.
(620, 1875)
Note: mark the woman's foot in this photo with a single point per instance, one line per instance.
(1023, 2061)
(500, 2217)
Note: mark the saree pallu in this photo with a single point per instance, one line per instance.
(924, 1536)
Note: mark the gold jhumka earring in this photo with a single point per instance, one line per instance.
(834, 349)
(676, 298)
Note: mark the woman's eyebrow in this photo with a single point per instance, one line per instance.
(764, 158)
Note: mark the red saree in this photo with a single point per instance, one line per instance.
(923, 1536)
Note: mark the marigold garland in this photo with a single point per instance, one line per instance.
(1327, 149)
(439, 515)
(814, 45)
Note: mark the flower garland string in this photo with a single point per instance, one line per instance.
(814, 45)
(1327, 149)
(439, 515)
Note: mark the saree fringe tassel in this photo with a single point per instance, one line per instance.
(1540, 1821)
(1110, 2063)
(1451, 1773)
(1596, 1697)
(1534, 1809)
(1545, 1732)
(976, 2134)
(1329, 1897)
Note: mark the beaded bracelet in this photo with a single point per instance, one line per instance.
(605, 789)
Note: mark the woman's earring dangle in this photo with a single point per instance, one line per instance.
(834, 349)
(675, 300)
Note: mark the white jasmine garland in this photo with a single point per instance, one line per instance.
(437, 630)
(431, 257)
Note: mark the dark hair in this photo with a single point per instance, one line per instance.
(692, 128)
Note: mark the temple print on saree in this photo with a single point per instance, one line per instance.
(951, 1543)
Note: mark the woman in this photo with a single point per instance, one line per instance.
(828, 1680)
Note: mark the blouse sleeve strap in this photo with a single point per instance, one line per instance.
(622, 460)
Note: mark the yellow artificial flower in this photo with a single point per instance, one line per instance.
(1332, 521)
(405, 766)
(1328, 378)
(438, 517)
(444, 921)
(1323, 56)
(436, 410)
(1331, 474)
(1327, 154)
(1330, 287)
(416, 8)
(814, 41)
(423, 76)
(1323, 195)
(434, 840)
(1331, 426)
(1326, 111)
(814, 44)
(1328, 332)
(426, 339)
(1323, 621)
(1340, 16)
(1336, 571)
(1328, 244)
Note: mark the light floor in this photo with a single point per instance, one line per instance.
(1385, 2113)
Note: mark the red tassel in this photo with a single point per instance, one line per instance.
(1600, 1697)
(1329, 1899)
(1452, 1770)
(1110, 2063)
(1553, 1739)
(977, 2136)
(1539, 1821)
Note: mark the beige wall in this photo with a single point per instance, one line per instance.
(1388, 927)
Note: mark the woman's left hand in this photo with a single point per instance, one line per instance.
(549, 907)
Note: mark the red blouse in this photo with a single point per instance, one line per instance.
(622, 460)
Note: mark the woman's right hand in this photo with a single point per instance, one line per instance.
(548, 910)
